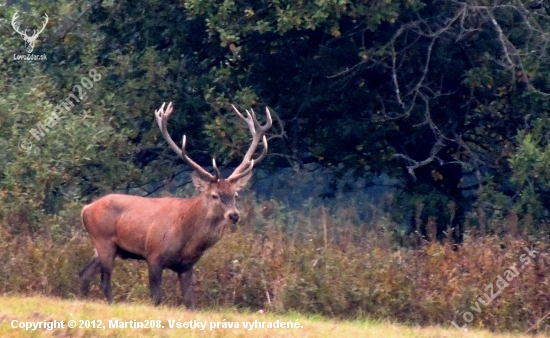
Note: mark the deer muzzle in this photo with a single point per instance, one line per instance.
(234, 217)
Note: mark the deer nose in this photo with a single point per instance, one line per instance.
(234, 217)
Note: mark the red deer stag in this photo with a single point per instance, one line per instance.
(168, 233)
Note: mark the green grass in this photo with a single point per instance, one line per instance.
(40, 309)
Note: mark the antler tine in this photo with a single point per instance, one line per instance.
(269, 120)
(239, 113)
(216, 170)
(161, 116)
(264, 152)
(235, 177)
(257, 124)
(16, 24)
(44, 26)
(258, 133)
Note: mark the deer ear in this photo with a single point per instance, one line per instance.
(200, 184)
(241, 182)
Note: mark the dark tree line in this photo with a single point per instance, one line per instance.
(451, 97)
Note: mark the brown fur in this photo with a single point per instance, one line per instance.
(169, 233)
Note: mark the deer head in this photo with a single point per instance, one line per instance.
(220, 193)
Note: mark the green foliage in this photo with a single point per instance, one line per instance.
(530, 165)
(63, 153)
(232, 21)
(368, 87)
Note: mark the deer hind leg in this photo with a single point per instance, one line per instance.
(186, 285)
(106, 252)
(155, 279)
(86, 274)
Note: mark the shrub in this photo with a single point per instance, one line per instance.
(329, 266)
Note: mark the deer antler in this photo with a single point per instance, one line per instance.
(44, 26)
(16, 24)
(258, 133)
(162, 117)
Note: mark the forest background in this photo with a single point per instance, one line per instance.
(408, 165)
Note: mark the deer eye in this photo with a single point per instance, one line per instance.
(215, 196)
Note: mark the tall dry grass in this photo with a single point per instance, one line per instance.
(318, 261)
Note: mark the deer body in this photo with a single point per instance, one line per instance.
(144, 231)
(168, 233)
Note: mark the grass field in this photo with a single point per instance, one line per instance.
(19, 311)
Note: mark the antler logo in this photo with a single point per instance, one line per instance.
(29, 40)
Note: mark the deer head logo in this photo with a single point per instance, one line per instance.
(29, 40)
